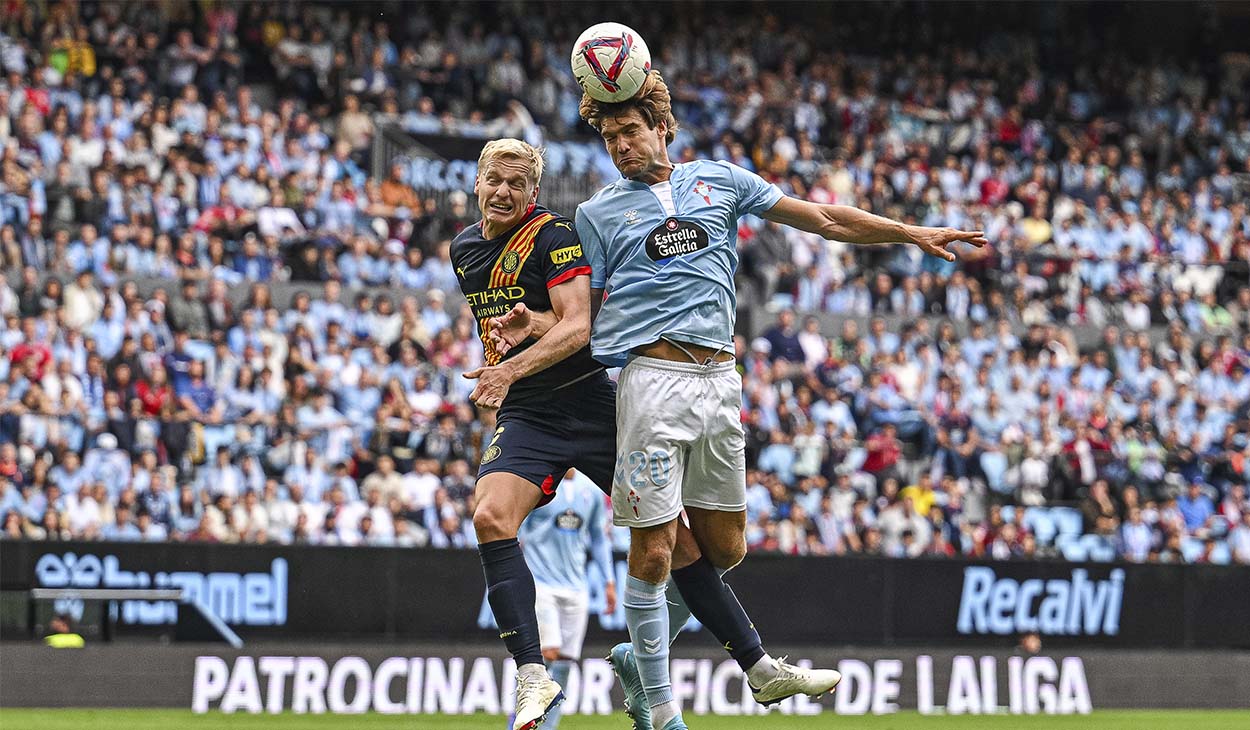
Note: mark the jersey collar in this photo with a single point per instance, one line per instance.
(638, 185)
(529, 215)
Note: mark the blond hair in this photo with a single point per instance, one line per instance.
(513, 149)
(652, 101)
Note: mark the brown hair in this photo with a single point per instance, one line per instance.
(652, 101)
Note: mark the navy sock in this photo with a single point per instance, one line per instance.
(713, 602)
(510, 590)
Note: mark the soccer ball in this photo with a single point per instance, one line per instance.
(611, 62)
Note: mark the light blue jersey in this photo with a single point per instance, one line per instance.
(666, 255)
(555, 537)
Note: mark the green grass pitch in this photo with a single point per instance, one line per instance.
(13, 719)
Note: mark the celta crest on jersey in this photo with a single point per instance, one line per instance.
(703, 190)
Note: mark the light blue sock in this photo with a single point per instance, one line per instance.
(559, 671)
(646, 614)
(678, 611)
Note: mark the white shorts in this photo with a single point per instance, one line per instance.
(562, 616)
(679, 441)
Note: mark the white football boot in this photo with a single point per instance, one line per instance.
(535, 697)
(794, 680)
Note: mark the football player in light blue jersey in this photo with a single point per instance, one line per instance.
(556, 538)
(662, 245)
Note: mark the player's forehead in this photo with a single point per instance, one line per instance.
(624, 119)
(506, 168)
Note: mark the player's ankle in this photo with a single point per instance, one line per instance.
(532, 670)
(763, 671)
(663, 712)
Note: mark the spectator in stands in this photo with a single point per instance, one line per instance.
(1196, 509)
(1239, 539)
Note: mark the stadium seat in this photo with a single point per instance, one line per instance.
(1071, 547)
(1038, 520)
(1068, 520)
(1098, 548)
(1191, 549)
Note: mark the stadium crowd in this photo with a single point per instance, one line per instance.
(159, 158)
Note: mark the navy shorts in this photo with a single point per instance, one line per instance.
(542, 438)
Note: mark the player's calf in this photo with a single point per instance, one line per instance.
(646, 613)
(504, 501)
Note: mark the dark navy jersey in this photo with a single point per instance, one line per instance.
(542, 251)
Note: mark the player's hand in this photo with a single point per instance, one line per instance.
(492, 387)
(511, 329)
(609, 598)
(934, 241)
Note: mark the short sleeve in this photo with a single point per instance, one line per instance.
(453, 252)
(561, 250)
(596, 258)
(754, 194)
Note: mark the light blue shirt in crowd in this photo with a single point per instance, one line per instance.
(555, 537)
(667, 279)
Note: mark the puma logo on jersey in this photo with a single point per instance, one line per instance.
(460, 272)
(565, 255)
(564, 224)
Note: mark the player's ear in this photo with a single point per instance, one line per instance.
(476, 179)
(661, 128)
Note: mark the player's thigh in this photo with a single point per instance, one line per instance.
(715, 476)
(547, 611)
(593, 442)
(519, 471)
(574, 616)
(503, 501)
(654, 424)
(720, 535)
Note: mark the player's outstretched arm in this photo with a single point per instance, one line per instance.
(852, 225)
(570, 301)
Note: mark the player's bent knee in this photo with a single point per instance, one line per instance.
(727, 556)
(491, 523)
(650, 563)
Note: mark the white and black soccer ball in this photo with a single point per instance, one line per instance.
(611, 61)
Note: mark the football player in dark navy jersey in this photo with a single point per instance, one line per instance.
(556, 405)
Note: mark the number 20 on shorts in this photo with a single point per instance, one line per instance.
(634, 468)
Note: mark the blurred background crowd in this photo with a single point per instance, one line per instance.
(223, 320)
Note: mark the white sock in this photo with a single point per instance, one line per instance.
(537, 671)
(663, 712)
(763, 671)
